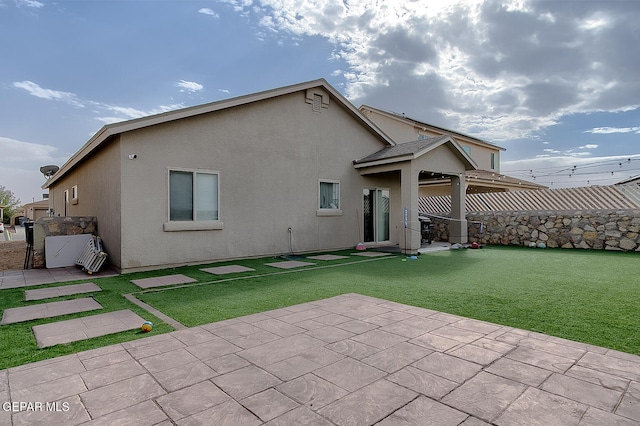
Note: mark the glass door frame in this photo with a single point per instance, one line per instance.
(374, 215)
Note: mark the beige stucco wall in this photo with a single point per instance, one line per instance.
(404, 132)
(270, 155)
(98, 195)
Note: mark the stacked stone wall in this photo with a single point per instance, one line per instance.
(55, 226)
(593, 229)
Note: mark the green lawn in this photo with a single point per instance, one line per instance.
(588, 296)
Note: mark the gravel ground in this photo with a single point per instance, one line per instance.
(12, 254)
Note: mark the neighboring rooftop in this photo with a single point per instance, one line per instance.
(426, 126)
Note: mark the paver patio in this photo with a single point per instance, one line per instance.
(347, 360)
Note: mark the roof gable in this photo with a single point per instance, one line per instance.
(109, 131)
(411, 150)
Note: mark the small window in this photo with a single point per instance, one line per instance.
(74, 194)
(493, 161)
(466, 149)
(329, 195)
(193, 196)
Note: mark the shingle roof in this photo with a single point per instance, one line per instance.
(403, 149)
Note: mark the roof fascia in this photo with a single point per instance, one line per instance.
(391, 160)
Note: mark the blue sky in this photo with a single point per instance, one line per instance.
(554, 82)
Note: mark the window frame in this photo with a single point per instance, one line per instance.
(329, 211)
(194, 224)
(74, 194)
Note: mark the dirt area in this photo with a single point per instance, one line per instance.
(12, 254)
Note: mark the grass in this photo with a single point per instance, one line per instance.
(587, 296)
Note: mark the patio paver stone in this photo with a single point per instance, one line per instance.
(163, 281)
(66, 290)
(84, 328)
(289, 264)
(228, 269)
(49, 310)
(348, 360)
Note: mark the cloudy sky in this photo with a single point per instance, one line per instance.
(556, 82)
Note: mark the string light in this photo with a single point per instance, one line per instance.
(615, 170)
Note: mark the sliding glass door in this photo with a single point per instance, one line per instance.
(375, 205)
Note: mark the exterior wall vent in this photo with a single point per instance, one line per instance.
(317, 98)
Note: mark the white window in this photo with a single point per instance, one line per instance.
(193, 196)
(74, 194)
(329, 195)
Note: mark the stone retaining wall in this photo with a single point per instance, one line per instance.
(55, 226)
(593, 229)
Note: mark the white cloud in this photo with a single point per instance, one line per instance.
(29, 3)
(128, 113)
(20, 168)
(207, 11)
(189, 86)
(49, 94)
(226, 91)
(609, 130)
(588, 146)
(17, 151)
(498, 69)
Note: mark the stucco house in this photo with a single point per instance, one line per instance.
(487, 178)
(294, 169)
(36, 210)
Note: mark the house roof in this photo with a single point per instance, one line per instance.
(629, 180)
(107, 132)
(426, 126)
(410, 150)
(497, 179)
(38, 204)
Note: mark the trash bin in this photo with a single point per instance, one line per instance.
(28, 233)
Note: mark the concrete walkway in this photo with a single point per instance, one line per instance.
(347, 360)
(30, 277)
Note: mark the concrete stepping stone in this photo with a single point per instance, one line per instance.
(163, 281)
(327, 257)
(289, 264)
(85, 328)
(370, 254)
(48, 310)
(67, 290)
(228, 269)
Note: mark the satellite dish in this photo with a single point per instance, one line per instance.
(49, 171)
